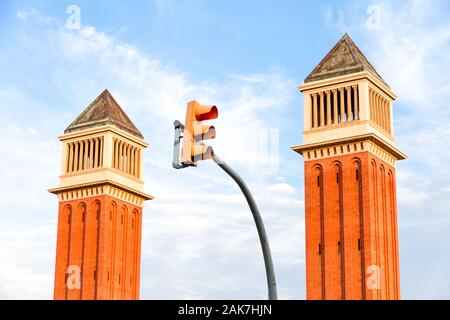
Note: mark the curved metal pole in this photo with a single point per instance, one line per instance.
(270, 273)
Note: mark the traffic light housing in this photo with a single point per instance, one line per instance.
(194, 132)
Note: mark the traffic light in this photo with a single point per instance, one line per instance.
(194, 132)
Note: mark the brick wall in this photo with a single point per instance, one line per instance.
(351, 228)
(100, 237)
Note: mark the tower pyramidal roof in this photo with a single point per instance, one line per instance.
(104, 111)
(344, 58)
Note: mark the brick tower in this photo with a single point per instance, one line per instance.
(100, 205)
(350, 197)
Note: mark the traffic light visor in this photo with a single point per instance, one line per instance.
(206, 112)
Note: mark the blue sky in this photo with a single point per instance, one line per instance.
(247, 58)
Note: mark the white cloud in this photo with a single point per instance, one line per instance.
(284, 188)
(26, 260)
(34, 16)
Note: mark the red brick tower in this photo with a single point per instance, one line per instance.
(350, 197)
(100, 205)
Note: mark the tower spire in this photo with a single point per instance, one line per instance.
(102, 111)
(344, 58)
